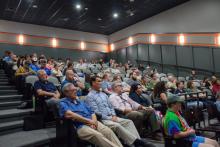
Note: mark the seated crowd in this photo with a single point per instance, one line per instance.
(132, 101)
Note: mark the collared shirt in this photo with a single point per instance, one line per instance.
(76, 106)
(45, 86)
(99, 103)
(123, 102)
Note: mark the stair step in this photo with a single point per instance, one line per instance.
(28, 138)
(4, 83)
(3, 79)
(8, 92)
(9, 105)
(6, 87)
(14, 114)
(9, 98)
(11, 127)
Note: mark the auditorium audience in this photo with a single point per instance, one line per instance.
(43, 63)
(84, 119)
(124, 128)
(24, 70)
(215, 86)
(106, 84)
(175, 125)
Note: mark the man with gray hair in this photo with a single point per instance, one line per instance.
(47, 91)
(84, 119)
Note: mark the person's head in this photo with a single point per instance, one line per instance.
(160, 87)
(154, 76)
(171, 78)
(216, 82)
(106, 77)
(136, 88)
(174, 102)
(133, 76)
(117, 87)
(70, 65)
(42, 75)
(70, 75)
(117, 78)
(43, 63)
(193, 72)
(190, 85)
(205, 79)
(95, 82)
(144, 80)
(180, 84)
(70, 91)
(56, 67)
(26, 64)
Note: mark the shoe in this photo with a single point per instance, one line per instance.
(23, 105)
(143, 143)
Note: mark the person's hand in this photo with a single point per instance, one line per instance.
(148, 108)
(191, 131)
(93, 124)
(114, 118)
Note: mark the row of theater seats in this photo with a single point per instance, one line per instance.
(66, 133)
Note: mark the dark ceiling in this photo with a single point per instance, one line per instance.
(94, 16)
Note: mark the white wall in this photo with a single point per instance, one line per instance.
(193, 16)
(15, 27)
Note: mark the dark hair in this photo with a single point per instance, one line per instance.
(104, 76)
(189, 84)
(159, 88)
(134, 87)
(69, 64)
(179, 82)
(116, 76)
(152, 75)
(93, 79)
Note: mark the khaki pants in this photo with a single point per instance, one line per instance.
(143, 117)
(124, 128)
(102, 137)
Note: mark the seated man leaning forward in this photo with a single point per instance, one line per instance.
(139, 114)
(84, 119)
(175, 125)
(47, 91)
(124, 128)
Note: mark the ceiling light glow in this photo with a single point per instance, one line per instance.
(54, 42)
(152, 38)
(130, 40)
(21, 39)
(112, 47)
(78, 6)
(115, 15)
(181, 39)
(82, 45)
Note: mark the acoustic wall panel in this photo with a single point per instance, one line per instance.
(216, 53)
(184, 56)
(143, 52)
(121, 55)
(168, 54)
(132, 53)
(203, 58)
(155, 53)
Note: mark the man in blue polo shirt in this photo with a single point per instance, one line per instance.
(47, 91)
(43, 63)
(88, 128)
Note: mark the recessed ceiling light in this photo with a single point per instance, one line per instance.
(86, 8)
(35, 6)
(131, 14)
(99, 19)
(78, 6)
(115, 15)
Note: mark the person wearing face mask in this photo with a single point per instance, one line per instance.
(47, 91)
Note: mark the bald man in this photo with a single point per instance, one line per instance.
(47, 91)
(71, 77)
